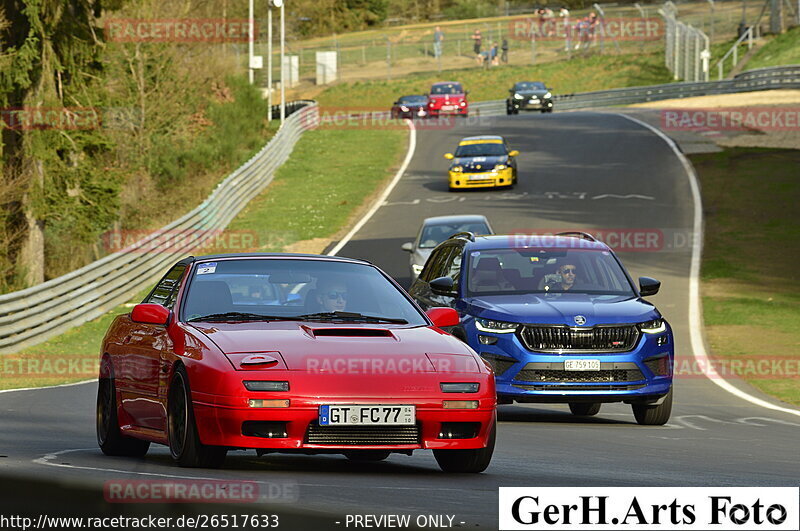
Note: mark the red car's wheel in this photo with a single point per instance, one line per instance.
(472, 461)
(184, 443)
(109, 438)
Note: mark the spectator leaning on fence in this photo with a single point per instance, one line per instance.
(438, 38)
(477, 40)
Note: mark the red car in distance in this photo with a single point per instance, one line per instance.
(291, 353)
(447, 97)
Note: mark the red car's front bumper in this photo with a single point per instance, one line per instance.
(223, 425)
(456, 108)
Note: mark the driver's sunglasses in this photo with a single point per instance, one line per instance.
(333, 295)
(570, 271)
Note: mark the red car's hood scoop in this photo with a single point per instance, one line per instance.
(349, 332)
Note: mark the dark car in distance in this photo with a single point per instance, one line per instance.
(413, 106)
(529, 96)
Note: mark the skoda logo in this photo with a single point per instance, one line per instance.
(580, 320)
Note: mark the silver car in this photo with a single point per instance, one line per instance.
(436, 230)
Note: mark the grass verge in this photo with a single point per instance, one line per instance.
(329, 177)
(597, 72)
(751, 294)
(780, 50)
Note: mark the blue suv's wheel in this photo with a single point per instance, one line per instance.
(654, 415)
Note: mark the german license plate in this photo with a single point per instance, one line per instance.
(373, 414)
(582, 365)
(534, 100)
(448, 107)
(477, 177)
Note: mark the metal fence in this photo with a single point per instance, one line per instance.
(780, 77)
(687, 50)
(393, 52)
(33, 315)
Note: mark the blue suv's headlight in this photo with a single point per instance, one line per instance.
(655, 326)
(497, 327)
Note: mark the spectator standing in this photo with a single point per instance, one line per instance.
(438, 39)
(477, 40)
(504, 48)
(493, 57)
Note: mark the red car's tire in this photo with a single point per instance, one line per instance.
(184, 443)
(467, 461)
(109, 437)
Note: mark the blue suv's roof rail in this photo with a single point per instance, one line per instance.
(467, 235)
(579, 234)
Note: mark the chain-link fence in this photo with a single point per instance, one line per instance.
(686, 49)
(531, 35)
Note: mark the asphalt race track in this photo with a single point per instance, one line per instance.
(577, 170)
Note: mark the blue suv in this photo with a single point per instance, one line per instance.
(558, 318)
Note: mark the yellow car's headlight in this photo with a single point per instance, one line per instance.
(457, 168)
(500, 167)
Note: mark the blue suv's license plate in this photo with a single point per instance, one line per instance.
(582, 365)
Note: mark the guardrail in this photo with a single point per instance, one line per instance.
(35, 314)
(786, 77)
(734, 50)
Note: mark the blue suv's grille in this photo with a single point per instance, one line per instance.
(554, 338)
(609, 372)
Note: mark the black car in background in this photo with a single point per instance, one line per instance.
(529, 96)
(414, 106)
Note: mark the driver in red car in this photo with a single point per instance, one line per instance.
(332, 296)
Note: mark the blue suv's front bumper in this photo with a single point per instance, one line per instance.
(641, 375)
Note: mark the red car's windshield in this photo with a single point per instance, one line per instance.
(286, 288)
(449, 88)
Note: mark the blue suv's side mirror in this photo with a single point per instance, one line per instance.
(442, 286)
(648, 286)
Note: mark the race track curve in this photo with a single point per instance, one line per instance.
(578, 170)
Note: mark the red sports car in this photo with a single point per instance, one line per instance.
(447, 97)
(291, 353)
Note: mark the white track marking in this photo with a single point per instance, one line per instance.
(412, 146)
(48, 386)
(695, 315)
(47, 460)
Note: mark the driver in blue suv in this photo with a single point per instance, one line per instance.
(558, 318)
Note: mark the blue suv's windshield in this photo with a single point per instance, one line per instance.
(508, 271)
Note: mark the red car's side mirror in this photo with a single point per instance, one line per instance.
(443, 317)
(150, 314)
